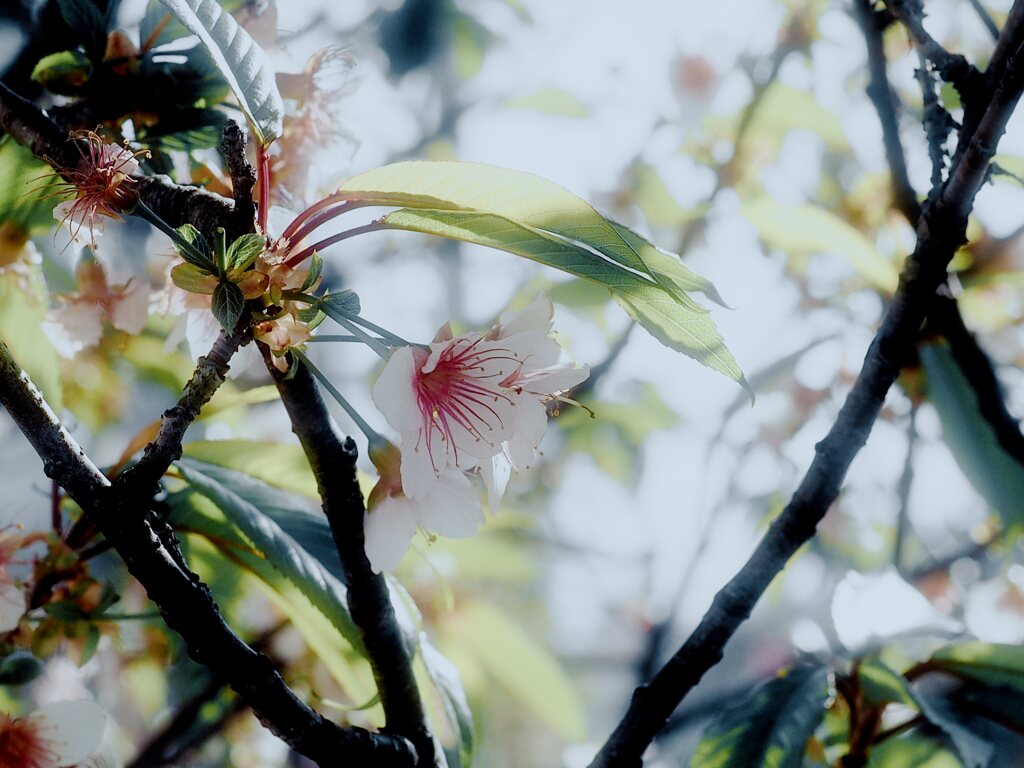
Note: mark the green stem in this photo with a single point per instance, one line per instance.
(371, 434)
(394, 338)
(146, 213)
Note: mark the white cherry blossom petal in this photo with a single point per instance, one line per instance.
(74, 327)
(388, 528)
(530, 428)
(12, 606)
(130, 310)
(452, 508)
(394, 392)
(495, 474)
(72, 729)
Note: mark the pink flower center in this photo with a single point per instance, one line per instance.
(21, 746)
(463, 390)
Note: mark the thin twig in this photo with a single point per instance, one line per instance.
(986, 18)
(903, 493)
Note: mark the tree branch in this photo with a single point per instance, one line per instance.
(952, 67)
(940, 231)
(333, 462)
(184, 601)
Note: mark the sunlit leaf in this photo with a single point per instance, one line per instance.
(771, 726)
(242, 62)
(27, 196)
(806, 229)
(519, 663)
(993, 472)
(64, 72)
(522, 198)
(243, 252)
(674, 319)
(785, 108)
(550, 101)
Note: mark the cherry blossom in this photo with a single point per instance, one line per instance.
(63, 733)
(78, 322)
(103, 186)
(465, 400)
(451, 508)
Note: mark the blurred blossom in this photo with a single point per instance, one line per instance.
(78, 323)
(60, 734)
(874, 608)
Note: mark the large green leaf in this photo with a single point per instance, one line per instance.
(672, 318)
(519, 663)
(27, 194)
(226, 550)
(523, 198)
(974, 751)
(994, 473)
(242, 62)
(283, 465)
(241, 498)
(769, 728)
(912, 750)
(991, 664)
(883, 685)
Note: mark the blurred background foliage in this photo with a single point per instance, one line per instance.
(736, 133)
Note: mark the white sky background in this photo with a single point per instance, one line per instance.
(617, 59)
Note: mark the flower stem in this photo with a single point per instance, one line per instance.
(309, 212)
(371, 434)
(305, 253)
(392, 337)
(263, 174)
(146, 213)
(331, 337)
(322, 217)
(375, 344)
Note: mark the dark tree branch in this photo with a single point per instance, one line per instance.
(986, 18)
(212, 368)
(952, 67)
(184, 601)
(243, 176)
(333, 462)
(873, 24)
(940, 231)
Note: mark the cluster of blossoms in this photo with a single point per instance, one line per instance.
(474, 403)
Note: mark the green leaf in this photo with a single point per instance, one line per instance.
(282, 465)
(522, 198)
(446, 680)
(975, 751)
(85, 20)
(227, 305)
(801, 230)
(195, 238)
(243, 501)
(883, 685)
(672, 318)
(668, 266)
(242, 62)
(228, 553)
(194, 279)
(27, 195)
(316, 268)
(64, 72)
(912, 750)
(987, 663)
(785, 108)
(550, 101)
(519, 663)
(993, 472)
(342, 303)
(771, 726)
(243, 252)
(22, 314)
